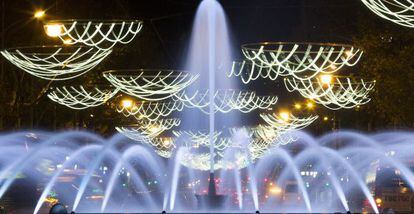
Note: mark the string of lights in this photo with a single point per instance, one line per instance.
(150, 85)
(103, 35)
(226, 101)
(79, 98)
(148, 129)
(56, 63)
(398, 11)
(333, 93)
(302, 60)
(151, 111)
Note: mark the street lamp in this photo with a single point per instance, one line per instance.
(127, 103)
(54, 30)
(39, 14)
(284, 115)
(326, 79)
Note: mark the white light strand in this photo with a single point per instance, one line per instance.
(59, 63)
(78, 98)
(303, 61)
(151, 111)
(398, 11)
(200, 139)
(285, 125)
(226, 101)
(340, 94)
(102, 35)
(248, 71)
(158, 86)
(148, 129)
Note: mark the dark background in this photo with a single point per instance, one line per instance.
(163, 43)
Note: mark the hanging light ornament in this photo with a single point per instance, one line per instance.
(301, 60)
(398, 11)
(151, 111)
(151, 85)
(148, 129)
(248, 71)
(199, 139)
(333, 92)
(55, 63)
(283, 123)
(103, 35)
(226, 101)
(79, 98)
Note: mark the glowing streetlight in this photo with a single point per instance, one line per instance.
(54, 30)
(326, 79)
(39, 14)
(298, 106)
(310, 105)
(325, 118)
(284, 115)
(127, 103)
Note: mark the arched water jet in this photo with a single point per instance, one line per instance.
(72, 158)
(361, 183)
(141, 153)
(279, 153)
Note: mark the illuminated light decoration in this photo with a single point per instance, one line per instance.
(341, 93)
(248, 71)
(151, 85)
(226, 101)
(398, 11)
(148, 129)
(294, 123)
(55, 63)
(201, 161)
(100, 34)
(200, 139)
(151, 111)
(79, 98)
(302, 60)
(39, 14)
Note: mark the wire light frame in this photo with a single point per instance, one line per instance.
(150, 85)
(341, 93)
(79, 98)
(54, 62)
(100, 34)
(283, 124)
(301, 60)
(148, 129)
(398, 11)
(226, 101)
(151, 111)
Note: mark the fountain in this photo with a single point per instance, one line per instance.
(207, 166)
(90, 174)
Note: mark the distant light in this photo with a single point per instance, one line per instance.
(274, 190)
(310, 105)
(326, 79)
(67, 41)
(127, 103)
(325, 118)
(39, 14)
(378, 200)
(284, 115)
(54, 30)
(298, 106)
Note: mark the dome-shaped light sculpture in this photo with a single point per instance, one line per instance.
(54, 62)
(151, 85)
(151, 111)
(301, 60)
(79, 98)
(100, 34)
(333, 92)
(226, 101)
(398, 11)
